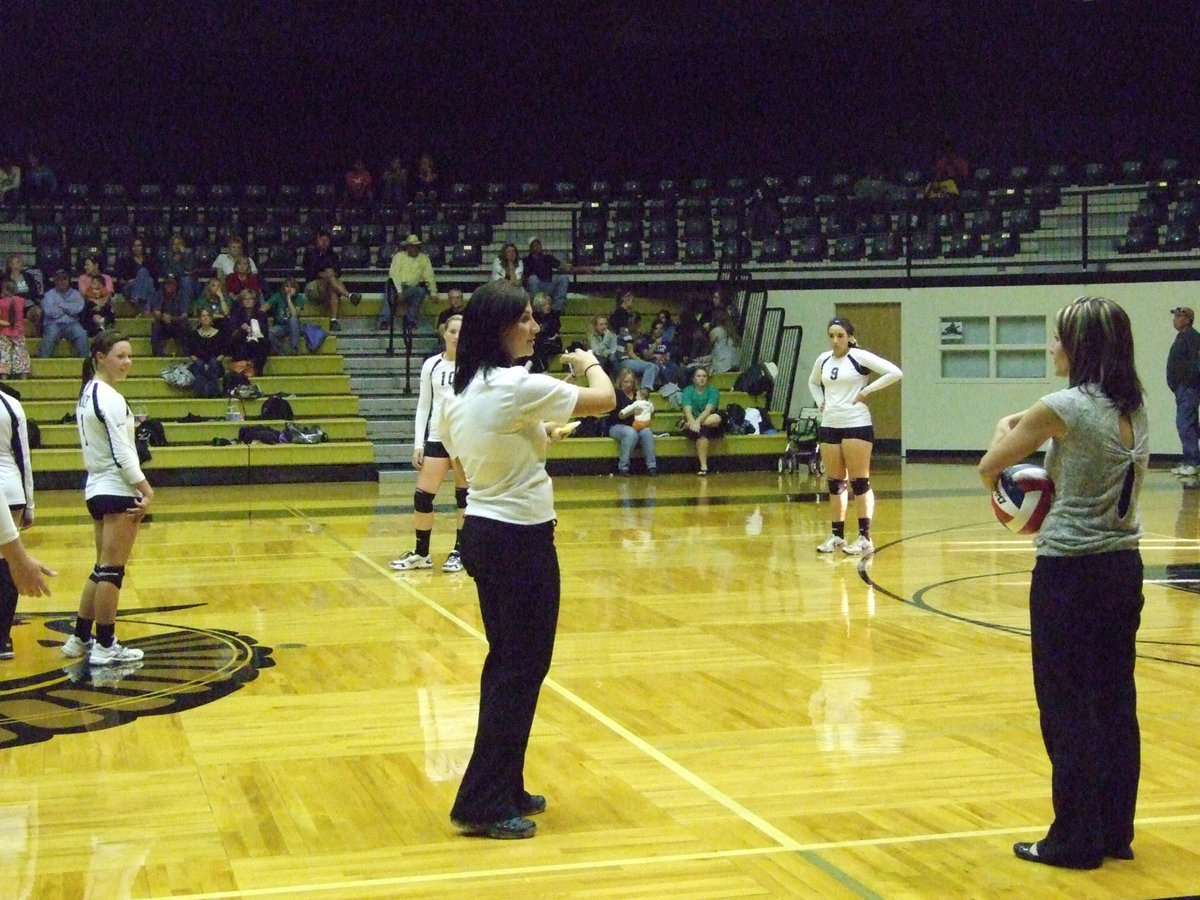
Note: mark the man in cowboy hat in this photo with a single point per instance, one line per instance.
(411, 273)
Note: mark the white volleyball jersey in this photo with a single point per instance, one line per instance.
(106, 436)
(837, 382)
(16, 470)
(437, 381)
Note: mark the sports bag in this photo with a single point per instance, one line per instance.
(295, 433)
(275, 407)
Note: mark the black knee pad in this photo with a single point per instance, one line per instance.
(460, 497)
(860, 486)
(423, 501)
(837, 485)
(114, 575)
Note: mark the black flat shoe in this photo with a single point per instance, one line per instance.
(509, 830)
(1125, 852)
(534, 805)
(1034, 852)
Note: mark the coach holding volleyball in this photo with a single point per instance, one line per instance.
(1085, 599)
(498, 423)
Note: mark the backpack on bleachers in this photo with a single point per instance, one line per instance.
(755, 381)
(263, 434)
(152, 432)
(275, 407)
(295, 433)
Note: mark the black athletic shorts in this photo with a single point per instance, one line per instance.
(105, 504)
(837, 435)
(436, 450)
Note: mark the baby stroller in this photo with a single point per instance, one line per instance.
(802, 448)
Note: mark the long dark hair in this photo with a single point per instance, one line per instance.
(1097, 338)
(493, 310)
(100, 345)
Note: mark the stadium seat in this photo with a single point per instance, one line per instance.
(50, 258)
(729, 227)
(1149, 213)
(628, 209)
(355, 256)
(436, 254)
(1095, 173)
(661, 208)
(299, 235)
(46, 233)
(78, 192)
(113, 214)
(1059, 174)
(1019, 176)
(1170, 169)
(83, 233)
(947, 222)
(728, 206)
(600, 190)
(1045, 196)
(263, 237)
(631, 189)
(801, 227)
(795, 205)
(925, 245)
(339, 234)
(877, 223)
(806, 184)
(1139, 239)
(986, 220)
(694, 207)
(371, 234)
(697, 227)
(220, 193)
(193, 235)
(826, 204)
(701, 187)
(882, 247)
(456, 213)
(841, 183)
(383, 256)
(89, 251)
(962, 244)
(668, 189)
(466, 255)
(490, 212)
(324, 194)
(497, 191)
(915, 179)
(445, 233)
(113, 192)
(737, 187)
(809, 249)
(984, 178)
(420, 214)
(205, 257)
(290, 195)
(183, 194)
(1180, 237)
(662, 229)
(627, 230)
(589, 253)
(1003, 243)
(254, 194)
(148, 194)
(120, 234)
(479, 232)
(1187, 211)
(775, 249)
(662, 251)
(591, 230)
(1025, 219)
(736, 249)
(849, 248)
(1133, 171)
(626, 252)
(563, 192)
(461, 192)
(594, 210)
(698, 249)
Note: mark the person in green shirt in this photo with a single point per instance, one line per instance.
(701, 421)
(283, 309)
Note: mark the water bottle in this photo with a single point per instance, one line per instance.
(233, 411)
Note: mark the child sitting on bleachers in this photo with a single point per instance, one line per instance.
(642, 410)
(14, 356)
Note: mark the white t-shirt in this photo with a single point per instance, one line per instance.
(836, 382)
(495, 428)
(106, 435)
(16, 475)
(437, 381)
(224, 264)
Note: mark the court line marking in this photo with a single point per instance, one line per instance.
(785, 843)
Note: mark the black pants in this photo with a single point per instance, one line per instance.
(515, 568)
(1084, 615)
(8, 587)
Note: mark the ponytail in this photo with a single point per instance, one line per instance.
(101, 344)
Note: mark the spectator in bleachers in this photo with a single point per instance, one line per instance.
(544, 272)
(690, 340)
(98, 312)
(10, 181)
(359, 184)
(547, 345)
(181, 262)
(206, 344)
(707, 316)
(668, 325)
(283, 311)
(61, 306)
(701, 421)
(724, 343)
(604, 345)
(249, 332)
(637, 350)
(323, 278)
(621, 428)
(619, 318)
(874, 185)
(224, 263)
(950, 172)
(393, 184)
(29, 284)
(425, 179)
(214, 299)
(507, 265)
(170, 314)
(455, 306)
(411, 273)
(40, 182)
(14, 355)
(242, 279)
(93, 270)
(136, 275)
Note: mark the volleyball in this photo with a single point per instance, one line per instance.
(1022, 498)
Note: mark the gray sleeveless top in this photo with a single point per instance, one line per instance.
(1097, 480)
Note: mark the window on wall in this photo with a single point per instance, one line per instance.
(988, 347)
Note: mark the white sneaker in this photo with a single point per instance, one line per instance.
(453, 562)
(1184, 470)
(832, 543)
(411, 560)
(859, 546)
(74, 647)
(109, 676)
(104, 656)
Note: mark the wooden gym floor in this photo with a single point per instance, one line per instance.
(729, 714)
